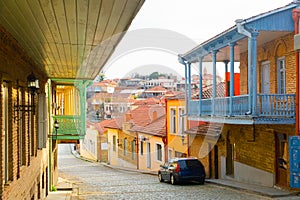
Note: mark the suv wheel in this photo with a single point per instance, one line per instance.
(173, 180)
(160, 178)
(201, 181)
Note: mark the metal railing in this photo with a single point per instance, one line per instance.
(268, 105)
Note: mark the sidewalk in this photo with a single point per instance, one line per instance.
(65, 188)
(261, 190)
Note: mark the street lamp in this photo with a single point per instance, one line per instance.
(182, 139)
(33, 86)
(56, 126)
(33, 83)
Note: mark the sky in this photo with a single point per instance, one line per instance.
(165, 28)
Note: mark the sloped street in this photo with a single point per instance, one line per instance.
(95, 181)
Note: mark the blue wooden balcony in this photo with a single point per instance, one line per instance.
(270, 108)
(71, 127)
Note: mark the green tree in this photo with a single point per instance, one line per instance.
(154, 75)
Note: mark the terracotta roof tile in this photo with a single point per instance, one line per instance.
(115, 123)
(148, 101)
(144, 115)
(206, 129)
(157, 127)
(157, 89)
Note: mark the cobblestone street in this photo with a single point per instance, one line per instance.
(95, 181)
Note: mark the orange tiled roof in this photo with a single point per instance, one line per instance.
(145, 114)
(157, 127)
(157, 89)
(102, 126)
(115, 123)
(206, 129)
(207, 91)
(148, 101)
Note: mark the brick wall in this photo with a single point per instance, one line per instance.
(270, 51)
(254, 145)
(24, 175)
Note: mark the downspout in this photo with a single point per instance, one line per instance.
(165, 140)
(296, 14)
(241, 29)
(137, 151)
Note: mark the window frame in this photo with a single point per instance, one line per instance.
(281, 75)
(158, 152)
(173, 120)
(181, 120)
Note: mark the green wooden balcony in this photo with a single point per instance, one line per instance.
(71, 127)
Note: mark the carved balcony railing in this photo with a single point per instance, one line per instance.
(70, 127)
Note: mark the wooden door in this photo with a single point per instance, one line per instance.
(281, 159)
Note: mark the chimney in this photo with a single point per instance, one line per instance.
(127, 117)
(154, 115)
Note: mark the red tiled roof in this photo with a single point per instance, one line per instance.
(142, 116)
(115, 123)
(206, 129)
(102, 126)
(157, 89)
(157, 127)
(148, 101)
(207, 92)
(145, 114)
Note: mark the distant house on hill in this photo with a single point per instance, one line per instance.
(155, 91)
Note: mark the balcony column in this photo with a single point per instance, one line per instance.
(231, 90)
(254, 72)
(188, 64)
(249, 76)
(214, 60)
(187, 80)
(184, 62)
(226, 70)
(200, 84)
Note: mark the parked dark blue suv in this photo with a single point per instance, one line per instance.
(182, 170)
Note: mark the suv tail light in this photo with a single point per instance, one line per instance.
(177, 168)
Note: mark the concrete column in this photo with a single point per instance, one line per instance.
(200, 84)
(254, 71)
(250, 75)
(231, 93)
(189, 84)
(214, 60)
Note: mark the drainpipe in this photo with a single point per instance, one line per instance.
(296, 14)
(241, 29)
(165, 140)
(137, 150)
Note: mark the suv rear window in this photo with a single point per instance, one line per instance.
(187, 164)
